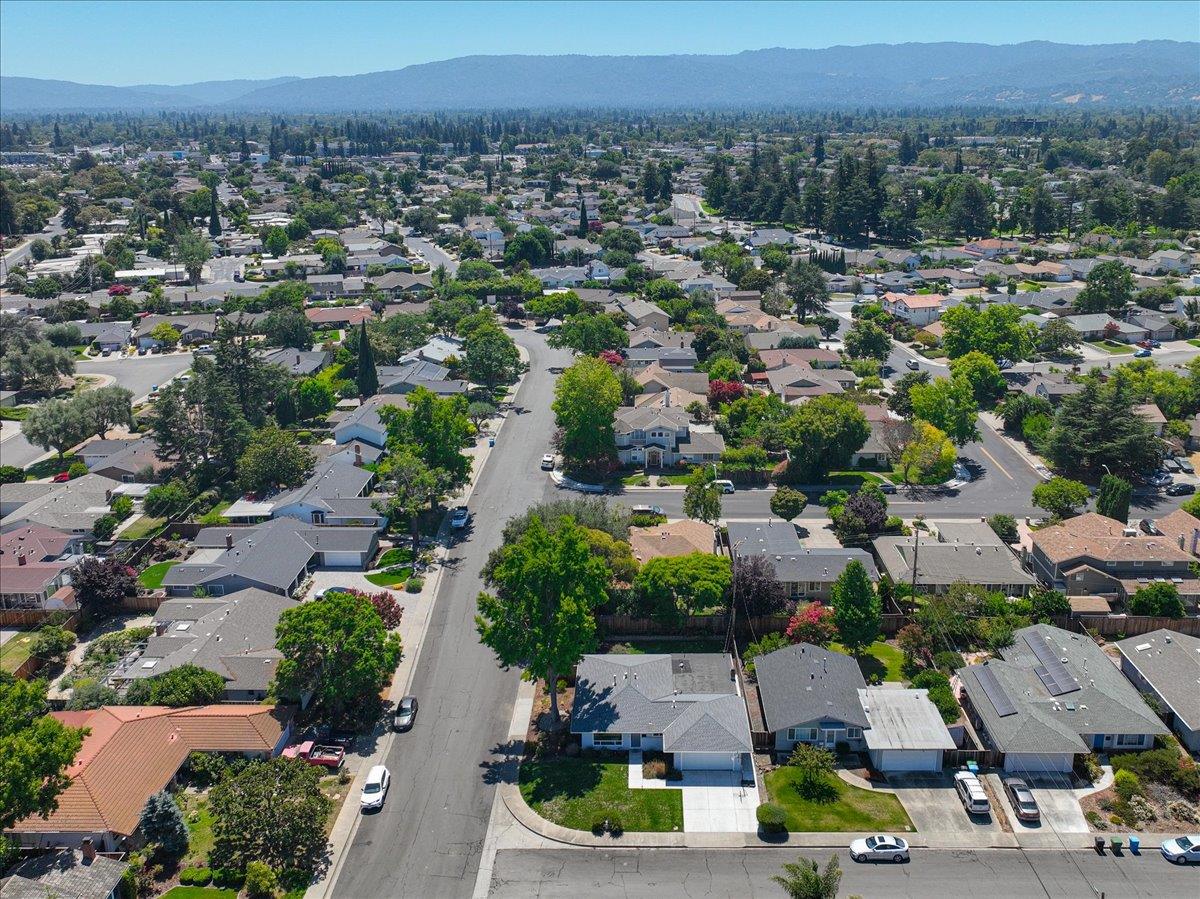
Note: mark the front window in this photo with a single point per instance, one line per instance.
(802, 733)
(607, 739)
(853, 733)
(1129, 739)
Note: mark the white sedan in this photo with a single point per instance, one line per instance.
(1182, 850)
(882, 847)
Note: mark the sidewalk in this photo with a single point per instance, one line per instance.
(413, 626)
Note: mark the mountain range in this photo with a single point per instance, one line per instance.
(1146, 73)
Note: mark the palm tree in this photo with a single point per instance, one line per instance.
(802, 880)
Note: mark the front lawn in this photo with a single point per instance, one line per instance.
(852, 479)
(199, 893)
(674, 478)
(395, 556)
(580, 792)
(880, 662)
(1111, 346)
(14, 653)
(152, 577)
(854, 809)
(390, 578)
(47, 468)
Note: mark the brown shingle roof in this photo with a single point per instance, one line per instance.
(679, 538)
(1093, 536)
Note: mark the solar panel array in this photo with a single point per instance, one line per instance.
(1052, 671)
(995, 693)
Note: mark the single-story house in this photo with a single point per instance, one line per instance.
(810, 695)
(364, 423)
(806, 573)
(72, 506)
(904, 730)
(1166, 665)
(1054, 695)
(675, 538)
(341, 317)
(940, 565)
(687, 704)
(35, 566)
(69, 873)
(671, 358)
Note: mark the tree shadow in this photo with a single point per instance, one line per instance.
(873, 670)
(558, 778)
(501, 765)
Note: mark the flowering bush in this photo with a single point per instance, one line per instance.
(612, 357)
(812, 623)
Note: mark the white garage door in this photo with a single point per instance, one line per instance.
(909, 760)
(1038, 762)
(707, 761)
(343, 559)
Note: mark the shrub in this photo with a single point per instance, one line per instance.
(771, 817)
(228, 878)
(947, 705)
(1187, 780)
(11, 474)
(1093, 818)
(206, 767)
(414, 584)
(104, 526)
(768, 644)
(1142, 809)
(1005, 527)
(948, 660)
(122, 507)
(195, 877)
(76, 470)
(1127, 784)
(654, 769)
(1183, 811)
(261, 880)
(1159, 765)
(1090, 768)
(615, 828)
(930, 679)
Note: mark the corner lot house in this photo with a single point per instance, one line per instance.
(131, 753)
(686, 704)
(662, 438)
(1166, 665)
(1052, 696)
(904, 730)
(810, 695)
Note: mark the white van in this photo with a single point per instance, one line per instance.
(972, 794)
(726, 486)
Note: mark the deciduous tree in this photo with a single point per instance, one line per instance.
(586, 399)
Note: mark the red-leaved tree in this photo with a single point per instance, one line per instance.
(612, 357)
(812, 623)
(385, 604)
(720, 392)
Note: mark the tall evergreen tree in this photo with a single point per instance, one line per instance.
(162, 823)
(368, 378)
(1113, 499)
(583, 219)
(285, 408)
(214, 213)
(857, 611)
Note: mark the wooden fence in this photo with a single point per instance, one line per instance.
(984, 758)
(23, 618)
(613, 626)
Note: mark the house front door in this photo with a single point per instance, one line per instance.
(653, 458)
(635, 741)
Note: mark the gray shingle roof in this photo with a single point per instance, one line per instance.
(1170, 662)
(690, 698)
(803, 683)
(941, 564)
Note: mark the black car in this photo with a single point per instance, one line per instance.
(405, 714)
(1180, 489)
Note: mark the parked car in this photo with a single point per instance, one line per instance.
(1004, 364)
(1143, 353)
(1186, 466)
(1155, 344)
(325, 591)
(1182, 850)
(1145, 344)
(459, 517)
(548, 462)
(61, 477)
(326, 756)
(1159, 479)
(1180, 489)
(726, 486)
(375, 789)
(883, 847)
(1022, 799)
(971, 793)
(889, 489)
(1170, 465)
(645, 509)
(912, 365)
(405, 714)
(141, 351)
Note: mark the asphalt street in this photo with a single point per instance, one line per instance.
(932, 874)
(432, 253)
(426, 840)
(140, 374)
(21, 254)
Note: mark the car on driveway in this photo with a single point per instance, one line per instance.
(1186, 466)
(1021, 797)
(882, 847)
(1180, 489)
(971, 793)
(325, 591)
(1182, 850)
(1159, 479)
(459, 517)
(1004, 364)
(548, 462)
(405, 714)
(374, 791)
(888, 489)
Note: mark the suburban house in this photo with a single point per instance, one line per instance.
(111, 336)
(276, 556)
(663, 438)
(799, 382)
(127, 461)
(675, 538)
(297, 363)
(815, 358)
(340, 317)
(413, 373)
(1166, 665)
(232, 635)
(192, 328)
(686, 704)
(645, 338)
(364, 424)
(959, 280)
(644, 314)
(904, 730)
(670, 358)
(1054, 695)
(133, 752)
(72, 506)
(35, 567)
(991, 248)
(1102, 326)
(1181, 527)
(656, 379)
(337, 493)
(810, 695)
(976, 556)
(675, 397)
(399, 283)
(916, 309)
(806, 573)
(77, 873)
(1091, 555)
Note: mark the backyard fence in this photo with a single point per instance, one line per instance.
(1129, 625)
(614, 626)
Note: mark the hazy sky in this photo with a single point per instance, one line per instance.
(180, 42)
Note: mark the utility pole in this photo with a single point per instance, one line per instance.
(733, 555)
(912, 596)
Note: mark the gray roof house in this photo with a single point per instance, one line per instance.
(72, 506)
(940, 565)
(687, 704)
(1051, 696)
(65, 874)
(275, 556)
(232, 635)
(806, 573)
(335, 494)
(810, 695)
(364, 424)
(1166, 665)
(904, 730)
(662, 438)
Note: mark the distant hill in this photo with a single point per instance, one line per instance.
(1149, 73)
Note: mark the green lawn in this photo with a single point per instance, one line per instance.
(881, 661)
(215, 515)
(152, 577)
(577, 793)
(647, 647)
(854, 809)
(1111, 346)
(390, 578)
(49, 467)
(395, 556)
(14, 653)
(1194, 342)
(199, 825)
(143, 527)
(853, 478)
(198, 893)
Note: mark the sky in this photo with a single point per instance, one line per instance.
(146, 42)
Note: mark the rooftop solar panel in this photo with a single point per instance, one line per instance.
(1053, 674)
(995, 693)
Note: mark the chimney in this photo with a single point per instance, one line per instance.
(358, 459)
(89, 851)
(1195, 540)
(229, 541)
(21, 559)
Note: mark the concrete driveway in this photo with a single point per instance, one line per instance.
(933, 805)
(1057, 802)
(713, 801)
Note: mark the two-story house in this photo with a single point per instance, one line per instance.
(663, 438)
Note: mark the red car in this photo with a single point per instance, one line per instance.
(61, 476)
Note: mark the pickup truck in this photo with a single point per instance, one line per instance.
(326, 756)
